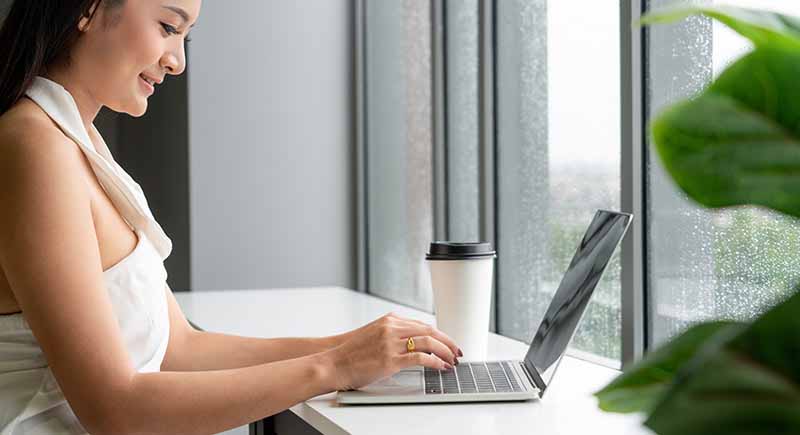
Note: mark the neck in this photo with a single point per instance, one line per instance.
(88, 107)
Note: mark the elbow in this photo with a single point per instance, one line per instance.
(104, 426)
(103, 423)
(106, 422)
(113, 413)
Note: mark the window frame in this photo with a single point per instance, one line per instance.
(633, 61)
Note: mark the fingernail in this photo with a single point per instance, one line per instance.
(460, 352)
(456, 361)
(448, 366)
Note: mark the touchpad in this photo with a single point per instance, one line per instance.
(402, 382)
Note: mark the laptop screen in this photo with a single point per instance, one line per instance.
(570, 300)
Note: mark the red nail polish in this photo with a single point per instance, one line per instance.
(448, 366)
(460, 352)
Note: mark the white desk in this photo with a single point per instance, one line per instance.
(567, 408)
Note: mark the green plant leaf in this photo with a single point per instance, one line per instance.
(738, 142)
(761, 27)
(744, 385)
(642, 385)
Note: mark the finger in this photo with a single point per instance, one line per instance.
(422, 359)
(427, 329)
(429, 344)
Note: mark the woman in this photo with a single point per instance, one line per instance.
(91, 338)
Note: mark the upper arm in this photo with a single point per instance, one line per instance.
(50, 255)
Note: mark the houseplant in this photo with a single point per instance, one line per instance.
(735, 143)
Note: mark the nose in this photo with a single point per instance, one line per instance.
(174, 61)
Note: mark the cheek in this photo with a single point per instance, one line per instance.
(141, 52)
(143, 48)
(120, 56)
(134, 53)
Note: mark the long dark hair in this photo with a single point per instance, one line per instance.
(35, 34)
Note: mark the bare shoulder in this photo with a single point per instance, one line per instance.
(40, 168)
(30, 142)
(25, 125)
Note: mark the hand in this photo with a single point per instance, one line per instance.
(378, 350)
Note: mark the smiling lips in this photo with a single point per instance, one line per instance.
(149, 83)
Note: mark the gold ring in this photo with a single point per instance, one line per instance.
(410, 345)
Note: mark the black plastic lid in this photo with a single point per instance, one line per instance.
(460, 251)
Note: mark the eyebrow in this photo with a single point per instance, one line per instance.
(180, 12)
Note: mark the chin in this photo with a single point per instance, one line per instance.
(137, 110)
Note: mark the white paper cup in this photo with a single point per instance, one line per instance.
(461, 277)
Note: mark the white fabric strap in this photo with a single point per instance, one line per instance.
(125, 193)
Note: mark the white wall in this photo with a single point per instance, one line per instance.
(272, 159)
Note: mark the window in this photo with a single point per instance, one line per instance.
(398, 141)
(557, 148)
(462, 118)
(708, 264)
(558, 158)
(513, 121)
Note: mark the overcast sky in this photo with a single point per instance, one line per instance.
(583, 75)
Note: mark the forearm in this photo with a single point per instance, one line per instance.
(209, 402)
(215, 351)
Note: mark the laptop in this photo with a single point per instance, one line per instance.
(512, 380)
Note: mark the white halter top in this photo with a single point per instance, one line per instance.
(30, 400)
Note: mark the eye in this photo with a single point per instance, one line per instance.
(169, 29)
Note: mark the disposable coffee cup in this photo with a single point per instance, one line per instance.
(461, 277)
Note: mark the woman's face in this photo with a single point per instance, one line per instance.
(124, 46)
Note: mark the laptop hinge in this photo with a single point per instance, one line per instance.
(532, 378)
(527, 375)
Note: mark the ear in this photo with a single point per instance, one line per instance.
(86, 19)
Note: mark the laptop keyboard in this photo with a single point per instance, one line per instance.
(472, 377)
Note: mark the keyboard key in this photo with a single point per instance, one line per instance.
(482, 378)
(432, 381)
(465, 379)
(498, 376)
(514, 384)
